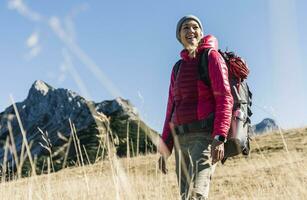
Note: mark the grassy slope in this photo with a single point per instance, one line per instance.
(276, 169)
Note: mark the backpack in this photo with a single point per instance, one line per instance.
(238, 138)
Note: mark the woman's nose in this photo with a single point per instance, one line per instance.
(190, 29)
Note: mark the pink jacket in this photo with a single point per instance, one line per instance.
(192, 99)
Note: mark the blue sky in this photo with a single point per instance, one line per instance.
(104, 49)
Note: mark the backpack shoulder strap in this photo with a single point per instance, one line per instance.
(203, 67)
(176, 68)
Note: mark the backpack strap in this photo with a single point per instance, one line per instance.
(203, 70)
(202, 67)
(176, 68)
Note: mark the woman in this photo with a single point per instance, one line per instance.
(191, 104)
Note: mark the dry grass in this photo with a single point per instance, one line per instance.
(273, 171)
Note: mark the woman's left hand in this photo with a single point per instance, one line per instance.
(217, 151)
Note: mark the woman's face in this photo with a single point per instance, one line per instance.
(190, 34)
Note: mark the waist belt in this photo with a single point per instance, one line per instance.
(205, 125)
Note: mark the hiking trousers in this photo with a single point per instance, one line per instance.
(193, 164)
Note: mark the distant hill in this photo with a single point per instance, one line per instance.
(266, 125)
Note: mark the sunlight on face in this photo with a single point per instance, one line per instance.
(190, 34)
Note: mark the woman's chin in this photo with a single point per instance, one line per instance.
(191, 47)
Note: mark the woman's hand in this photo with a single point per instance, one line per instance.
(217, 151)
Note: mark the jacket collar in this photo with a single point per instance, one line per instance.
(208, 41)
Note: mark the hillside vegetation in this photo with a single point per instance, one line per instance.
(276, 169)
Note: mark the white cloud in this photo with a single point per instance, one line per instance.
(24, 10)
(34, 52)
(32, 43)
(55, 25)
(67, 38)
(33, 39)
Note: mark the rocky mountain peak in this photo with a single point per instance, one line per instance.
(126, 106)
(48, 114)
(41, 87)
(118, 107)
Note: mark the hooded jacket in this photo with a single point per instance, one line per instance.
(192, 99)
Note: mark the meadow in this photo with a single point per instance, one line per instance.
(275, 169)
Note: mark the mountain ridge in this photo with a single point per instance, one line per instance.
(47, 115)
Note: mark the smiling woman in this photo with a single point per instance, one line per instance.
(198, 115)
(190, 34)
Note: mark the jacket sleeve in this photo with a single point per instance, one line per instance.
(218, 73)
(166, 133)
